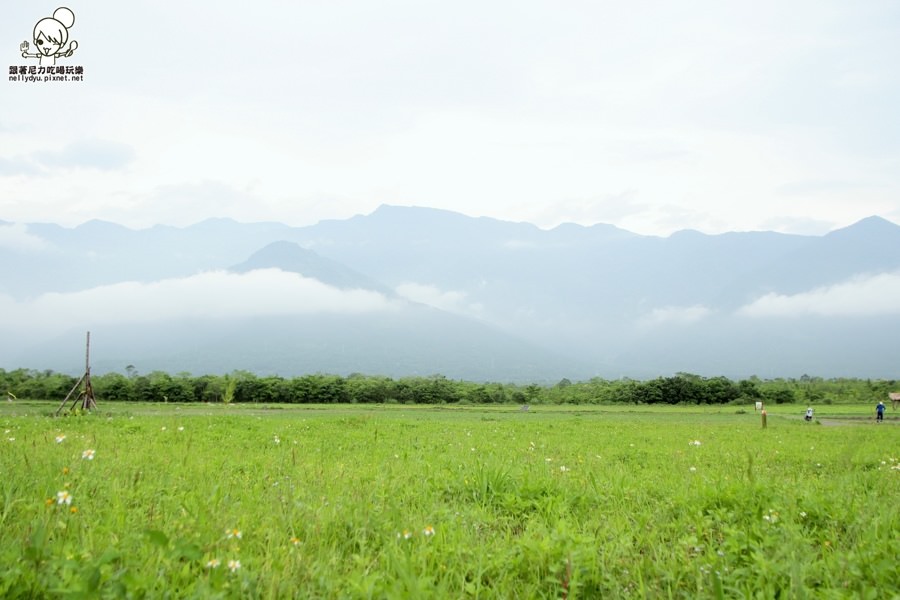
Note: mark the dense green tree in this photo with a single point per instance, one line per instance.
(113, 386)
(721, 390)
(779, 396)
(244, 386)
(748, 390)
(367, 390)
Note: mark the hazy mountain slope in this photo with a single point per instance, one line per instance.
(416, 340)
(868, 246)
(290, 257)
(620, 303)
(97, 253)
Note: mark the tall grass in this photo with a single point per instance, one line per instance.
(374, 503)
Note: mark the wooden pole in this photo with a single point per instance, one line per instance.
(72, 391)
(88, 401)
(87, 395)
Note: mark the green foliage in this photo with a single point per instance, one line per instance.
(318, 388)
(444, 501)
(229, 390)
(779, 396)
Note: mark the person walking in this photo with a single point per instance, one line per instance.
(879, 412)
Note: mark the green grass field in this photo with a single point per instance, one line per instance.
(373, 501)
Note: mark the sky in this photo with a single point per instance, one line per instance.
(654, 116)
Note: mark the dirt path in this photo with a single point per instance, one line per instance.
(854, 421)
(850, 420)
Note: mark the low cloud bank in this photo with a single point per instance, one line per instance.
(212, 295)
(451, 301)
(863, 296)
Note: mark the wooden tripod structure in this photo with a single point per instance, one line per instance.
(86, 396)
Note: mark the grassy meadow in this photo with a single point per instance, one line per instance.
(392, 501)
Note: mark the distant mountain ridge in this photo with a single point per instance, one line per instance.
(293, 258)
(575, 301)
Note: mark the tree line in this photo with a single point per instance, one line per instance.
(244, 387)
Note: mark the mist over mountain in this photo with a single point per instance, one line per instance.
(409, 290)
(291, 258)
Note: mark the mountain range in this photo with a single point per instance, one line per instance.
(419, 291)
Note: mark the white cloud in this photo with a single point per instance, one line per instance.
(91, 153)
(610, 208)
(17, 166)
(16, 237)
(674, 314)
(798, 225)
(451, 301)
(863, 296)
(212, 295)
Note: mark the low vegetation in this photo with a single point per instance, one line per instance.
(450, 501)
(244, 387)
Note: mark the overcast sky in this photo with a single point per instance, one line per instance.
(651, 115)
